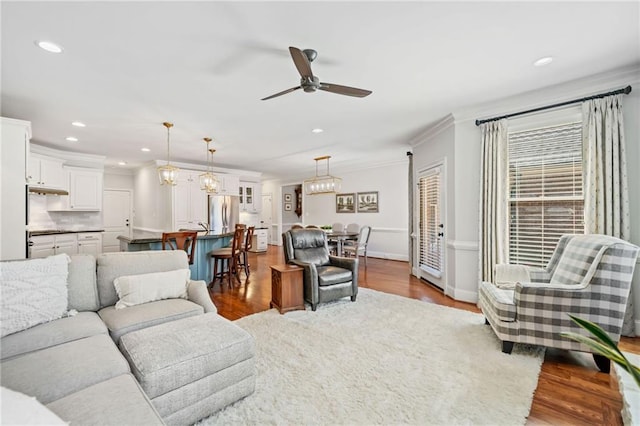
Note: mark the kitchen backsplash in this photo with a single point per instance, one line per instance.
(41, 219)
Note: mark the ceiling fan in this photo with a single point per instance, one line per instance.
(310, 83)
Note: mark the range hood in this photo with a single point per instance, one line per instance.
(47, 191)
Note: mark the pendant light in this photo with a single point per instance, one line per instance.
(209, 181)
(322, 184)
(168, 174)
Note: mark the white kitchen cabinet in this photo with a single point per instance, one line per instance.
(85, 191)
(229, 184)
(250, 196)
(46, 172)
(90, 243)
(260, 243)
(189, 202)
(14, 151)
(48, 245)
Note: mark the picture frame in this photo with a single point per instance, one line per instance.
(288, 207)
(368, 202)
(287, 198)
(346, 203)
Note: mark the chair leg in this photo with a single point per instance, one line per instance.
(314, 306)
(507, 346)
(229, 272)
(486, 321)
(603, 363)
(353, 298)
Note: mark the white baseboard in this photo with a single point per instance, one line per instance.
(465, 295)
(388, 256)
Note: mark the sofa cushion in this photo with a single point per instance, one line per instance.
(138, 289)
(123, 321)
(114, 265)
(53, 373)
(68, 329)
(81, 283)
(21, 409)
(168, 356)
(330, 275)
(33, 292)
(117, 401)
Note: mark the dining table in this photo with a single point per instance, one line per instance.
(340, 238)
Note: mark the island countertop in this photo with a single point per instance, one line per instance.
(146, 237)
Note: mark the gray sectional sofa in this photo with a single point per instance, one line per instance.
(170, 361)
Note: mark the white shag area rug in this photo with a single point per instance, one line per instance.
(384, 359)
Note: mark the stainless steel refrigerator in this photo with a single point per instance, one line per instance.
(224, 213)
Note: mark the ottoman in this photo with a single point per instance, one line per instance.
(192, 367)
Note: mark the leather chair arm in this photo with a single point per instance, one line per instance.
(350, 264)
(310, 279)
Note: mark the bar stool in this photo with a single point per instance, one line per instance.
(229, 257)
(180, 241)
(244, 251)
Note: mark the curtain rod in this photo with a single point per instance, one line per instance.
(626, 91)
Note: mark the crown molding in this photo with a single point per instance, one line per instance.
(432, 130)
(70, 158)
(557, 93)
(202, 168)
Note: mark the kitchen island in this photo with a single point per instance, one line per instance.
(202, 266)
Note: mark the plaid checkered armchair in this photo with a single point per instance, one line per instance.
(588, 276)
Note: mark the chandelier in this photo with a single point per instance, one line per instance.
(168, 174)
(322, 184)
(209, 181)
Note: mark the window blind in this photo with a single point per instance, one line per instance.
(430, 242)
(545, 191)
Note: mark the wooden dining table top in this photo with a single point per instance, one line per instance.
(342, 234)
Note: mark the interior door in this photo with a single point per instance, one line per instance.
(117, 218)
(266, 215)
(431, 226)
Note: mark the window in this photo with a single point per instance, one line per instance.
(545, 191)
(430, 223)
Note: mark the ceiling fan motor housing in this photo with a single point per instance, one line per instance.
(310, 85)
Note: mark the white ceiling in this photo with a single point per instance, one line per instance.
(129, 66)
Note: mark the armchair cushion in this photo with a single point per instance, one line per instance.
(580, 259)
(330, 275)
(142, 288)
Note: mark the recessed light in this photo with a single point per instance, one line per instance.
(72, 139)
(317, 131)
(145, 149)
(122, 163)
(78, 124)
(543, 61)
(49, 46)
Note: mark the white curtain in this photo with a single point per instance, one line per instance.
(606, 199)
(494, 207)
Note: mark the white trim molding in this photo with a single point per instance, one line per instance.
(390, 230)
(464, 295)
(388, 256)
(463, 245)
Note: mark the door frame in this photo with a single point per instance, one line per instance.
(440, 282)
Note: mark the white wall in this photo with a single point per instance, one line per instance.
(152, 201)
(464, 163)
(118, 180)
(389, 236)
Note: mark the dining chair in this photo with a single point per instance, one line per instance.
(181, 241)
(312, 227)
(353, 227)
(360, 248)
(297, 226)
(337, 227)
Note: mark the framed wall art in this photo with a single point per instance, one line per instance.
(346, 203)
(368, 202)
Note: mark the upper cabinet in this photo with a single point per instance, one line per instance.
(46, 172)
(229, 184)
(250, 196)
(189, 202)
(85, 191)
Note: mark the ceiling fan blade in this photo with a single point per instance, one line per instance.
(344, 90)
(284, 92)
(302, 62)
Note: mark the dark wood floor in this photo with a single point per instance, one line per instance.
(571, 391)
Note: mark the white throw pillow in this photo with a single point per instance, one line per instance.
(137, 289)
(33, 292)
(21, 409)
